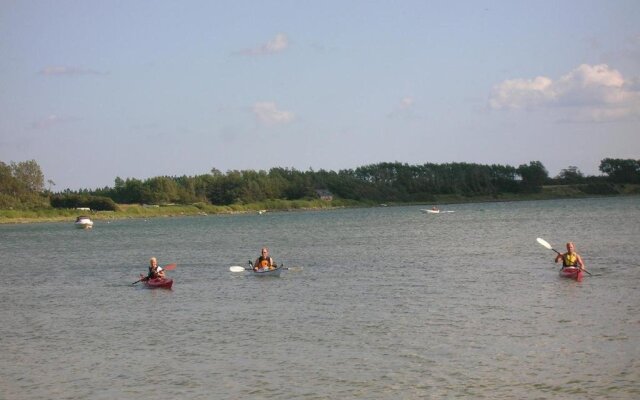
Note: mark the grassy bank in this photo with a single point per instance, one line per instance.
(126, 211)
(143, 211)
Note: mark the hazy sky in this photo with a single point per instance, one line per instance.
(94, 90)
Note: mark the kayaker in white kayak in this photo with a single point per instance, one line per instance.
(154, 270)
(571, 258)
(264, 262)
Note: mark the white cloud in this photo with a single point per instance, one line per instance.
(51, 121)
(522, 93)
(588, 93)
(406, 102)
(276, 45)
(404, 109)
(267, 113)
(59, 70)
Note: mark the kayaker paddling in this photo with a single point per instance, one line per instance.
(570, 258)
(155, 277)
(264, 262)
(155, 271)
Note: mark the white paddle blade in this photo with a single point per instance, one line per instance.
(236, 268)
(544, 243)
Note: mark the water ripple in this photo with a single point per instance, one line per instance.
(391, 303)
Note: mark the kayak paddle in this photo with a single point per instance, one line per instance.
(548, 246)
(237, 268)
(169, 267)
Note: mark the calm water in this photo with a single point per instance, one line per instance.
(391, 304)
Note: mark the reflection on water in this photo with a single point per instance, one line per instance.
(390, 303)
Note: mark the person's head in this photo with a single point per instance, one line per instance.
(265, 252)
(153, 263)
(570, 247)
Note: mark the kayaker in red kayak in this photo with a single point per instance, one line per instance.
(571, 258)
(154, 271)
(264, 262)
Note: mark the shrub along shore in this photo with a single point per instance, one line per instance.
(126, 211)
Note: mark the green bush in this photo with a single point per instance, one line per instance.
(599, 188)
(96, 203)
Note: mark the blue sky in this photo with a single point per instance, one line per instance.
(94, 90)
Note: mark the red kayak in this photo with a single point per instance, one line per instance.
(164, 283)
(572, 273)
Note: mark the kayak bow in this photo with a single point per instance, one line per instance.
(164, 283)
(572, 273)
(267, 272)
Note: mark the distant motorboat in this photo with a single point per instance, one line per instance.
(84, 222)
(262, 211)
(436, 211)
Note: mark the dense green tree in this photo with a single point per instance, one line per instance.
(226, 189)
(159, 190)
(570, 175)
(22, 185)
(621, 170)
(8, 183)
(533, 176)
(29, 174)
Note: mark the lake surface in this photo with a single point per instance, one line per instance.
(391, 303)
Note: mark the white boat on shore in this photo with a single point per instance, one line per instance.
(83, 222)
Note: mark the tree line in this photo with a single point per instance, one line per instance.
(22, 184)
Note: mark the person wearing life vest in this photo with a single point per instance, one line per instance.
(154, 270)
(570, 258)
(264, 262)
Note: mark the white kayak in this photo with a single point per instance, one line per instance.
(259, 272)
(267, 272)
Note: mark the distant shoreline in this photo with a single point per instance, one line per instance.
(128, 211)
